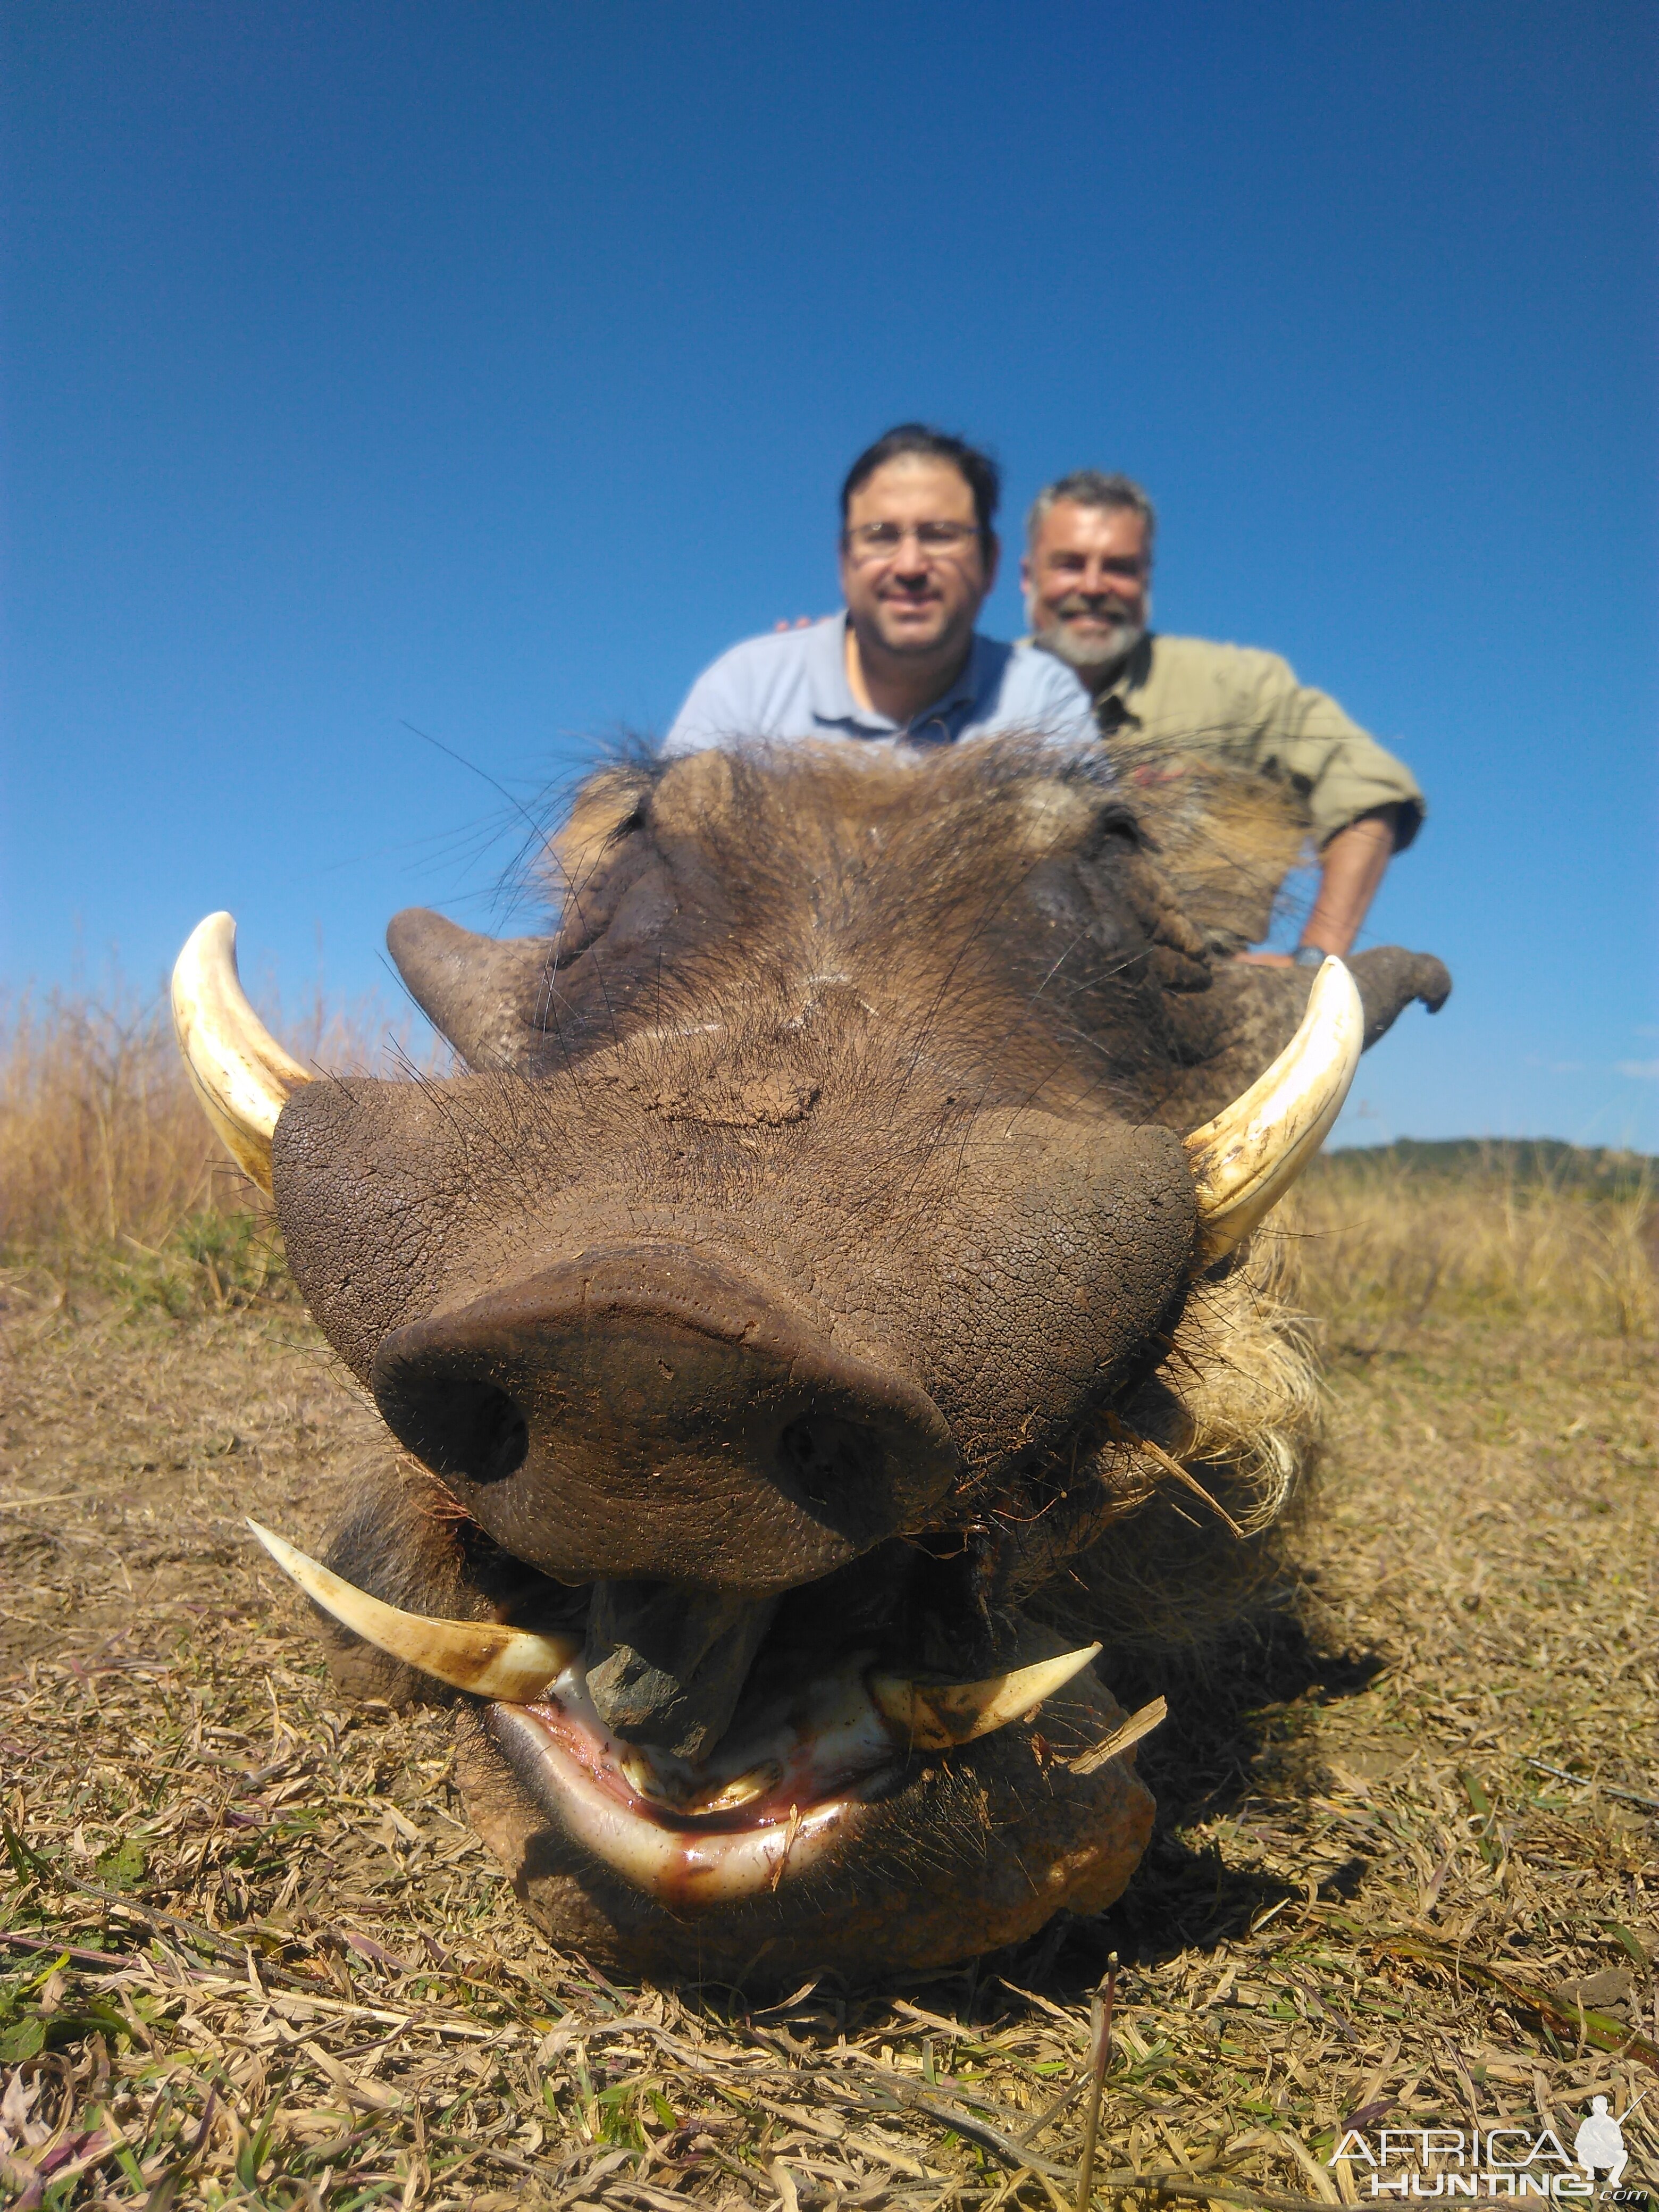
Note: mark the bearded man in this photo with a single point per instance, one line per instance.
(1087, 578)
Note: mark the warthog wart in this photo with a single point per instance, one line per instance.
(803, 1328)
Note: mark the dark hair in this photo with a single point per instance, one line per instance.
(1088, 487)
(979, 472)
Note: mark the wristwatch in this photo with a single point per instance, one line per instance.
(1309, 955)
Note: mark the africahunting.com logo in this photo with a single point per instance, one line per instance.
(1482, 2163)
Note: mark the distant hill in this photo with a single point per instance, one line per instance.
(1532, 1161)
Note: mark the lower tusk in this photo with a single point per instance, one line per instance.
(936, 1716)
(490, 1660)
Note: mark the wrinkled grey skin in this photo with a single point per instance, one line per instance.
(816, 1200)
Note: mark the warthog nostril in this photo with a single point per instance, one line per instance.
(461, 1426)
(835, 1465)
(642, 1414)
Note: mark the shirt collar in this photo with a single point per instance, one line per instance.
(1130, 677)
(832, 695)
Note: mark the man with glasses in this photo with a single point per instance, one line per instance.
(903, 665)
(1087, 576)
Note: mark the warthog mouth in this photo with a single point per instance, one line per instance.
(792, 1774)
(789, 1781)
(824, 1732)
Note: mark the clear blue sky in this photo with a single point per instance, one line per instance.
(491, 366)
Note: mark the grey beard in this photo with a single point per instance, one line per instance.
(1099, 658)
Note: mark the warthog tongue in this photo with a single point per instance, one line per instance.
(666, 1664)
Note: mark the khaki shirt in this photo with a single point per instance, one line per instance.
(1238, 705)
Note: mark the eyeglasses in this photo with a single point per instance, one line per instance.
(874, 541)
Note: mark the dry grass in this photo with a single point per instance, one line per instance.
(1387, 1243)
(108, 1173)
(99, 1137)
(251, 1955)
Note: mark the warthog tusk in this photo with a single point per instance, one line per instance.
(481, 1655)
(1246, 1159)
(935, 1715)
(240, 1073)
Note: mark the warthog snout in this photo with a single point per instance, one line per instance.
(646, 1413)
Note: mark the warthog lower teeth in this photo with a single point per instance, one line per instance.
(676, 1794)
(484, 1657)
(742, 1791)
(937, 1716)
(641, 1777)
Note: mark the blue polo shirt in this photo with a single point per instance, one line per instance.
(794, 684)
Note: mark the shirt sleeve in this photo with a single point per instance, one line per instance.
(1303, 736)
(719, 705)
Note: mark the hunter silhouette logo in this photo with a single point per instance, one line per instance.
(1600, 2142)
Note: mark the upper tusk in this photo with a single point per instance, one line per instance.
(934, 1716)
(481, 1655)
(240, 1073)
(1246, 1159)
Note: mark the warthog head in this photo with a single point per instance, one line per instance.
(805, 1324)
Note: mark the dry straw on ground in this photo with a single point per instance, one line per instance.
(109, 1176)
(1406, 1866)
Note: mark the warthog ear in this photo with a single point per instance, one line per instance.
(1252, 1015)
(1226, 837)
(1256, 1010)
(492, 997)
(602, 813)
(485, 994)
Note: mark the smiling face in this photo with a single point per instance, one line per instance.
(1087, 579)
(771, 1325)
(915, 599)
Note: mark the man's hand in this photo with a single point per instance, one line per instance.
(1264, 959)
(801, 622)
